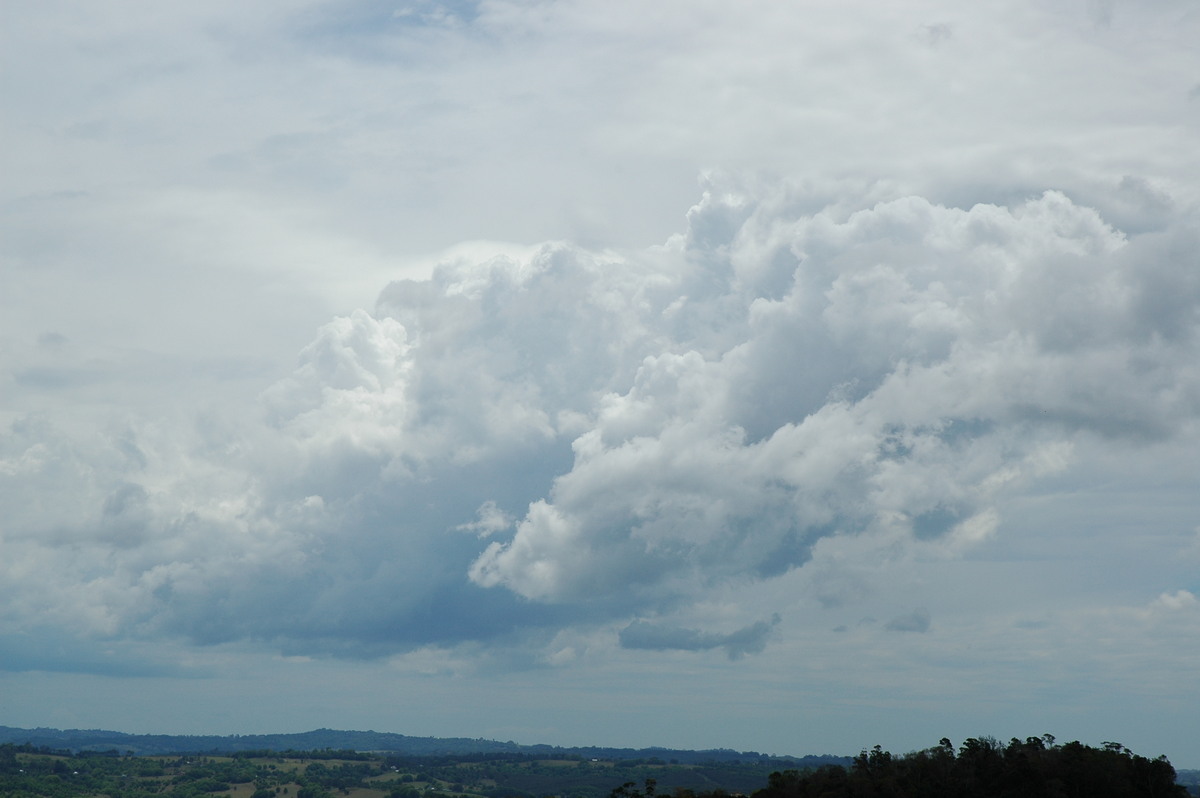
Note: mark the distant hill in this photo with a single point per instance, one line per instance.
(320, 739)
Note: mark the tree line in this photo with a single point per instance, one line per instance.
(983, 767)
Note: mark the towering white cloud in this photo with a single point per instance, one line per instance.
(571, 438)
(891, 369)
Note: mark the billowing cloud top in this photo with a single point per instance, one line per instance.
(529, 444)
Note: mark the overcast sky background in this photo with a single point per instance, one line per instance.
(779, 376)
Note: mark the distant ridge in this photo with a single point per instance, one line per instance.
(319, 739)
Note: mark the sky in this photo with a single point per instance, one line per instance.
(780, 376)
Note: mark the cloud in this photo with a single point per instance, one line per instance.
(626, 433)
(895, 367)
(1179, 600)
(935, 34)
(49, 649)
(915, 621)
(491, 520)
(1101, 12)
(658, 637)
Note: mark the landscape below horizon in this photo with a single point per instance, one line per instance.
(322, 763)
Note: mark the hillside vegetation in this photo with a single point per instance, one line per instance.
(26, 770)
(1036, 767)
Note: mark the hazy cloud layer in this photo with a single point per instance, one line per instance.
(915, 621)
(657, 637)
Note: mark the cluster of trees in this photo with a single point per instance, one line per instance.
(25, 771)
(983, 767)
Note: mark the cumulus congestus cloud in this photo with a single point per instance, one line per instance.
(890, 370)
(577, 439)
